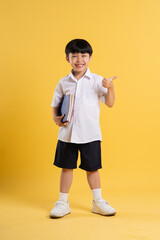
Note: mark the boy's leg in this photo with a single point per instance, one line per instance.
(93, 179)
(66, 180)
(91, 162)
(94, 183)
(99, 204)
(66, 158)
(62, 205)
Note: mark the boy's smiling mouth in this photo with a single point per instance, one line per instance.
(79, 65)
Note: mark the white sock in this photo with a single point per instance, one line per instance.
(96, 193)
(63, 196)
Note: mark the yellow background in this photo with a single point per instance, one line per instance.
(125, 37)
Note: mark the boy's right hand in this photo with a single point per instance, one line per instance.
(59, 122)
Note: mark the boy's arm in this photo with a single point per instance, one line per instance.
(57, 119)
(110, 97)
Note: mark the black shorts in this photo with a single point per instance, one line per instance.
(67, 154)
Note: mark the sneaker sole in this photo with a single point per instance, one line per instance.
(105, 214)
(56, 216)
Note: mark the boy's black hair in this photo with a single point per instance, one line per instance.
(78, 46)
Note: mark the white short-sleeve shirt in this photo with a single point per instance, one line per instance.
(88, 92)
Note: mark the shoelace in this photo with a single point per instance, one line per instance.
(60, 202)
(102, 200)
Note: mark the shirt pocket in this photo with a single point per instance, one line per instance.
(91, 96)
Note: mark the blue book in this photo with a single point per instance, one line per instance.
(66, 107)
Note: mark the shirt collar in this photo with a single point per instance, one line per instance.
(87, 74)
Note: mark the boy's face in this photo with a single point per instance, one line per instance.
(79, 61)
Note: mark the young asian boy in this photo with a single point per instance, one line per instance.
(83, 132)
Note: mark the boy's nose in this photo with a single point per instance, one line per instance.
(79, 58)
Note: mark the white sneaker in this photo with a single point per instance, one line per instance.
(102, 207)
(61, 209)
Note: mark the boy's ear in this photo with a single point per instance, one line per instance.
(67, 59)
(90, 57)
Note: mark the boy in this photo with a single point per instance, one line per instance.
(83, 131)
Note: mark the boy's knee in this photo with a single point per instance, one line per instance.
(66, 170)
(90, 172)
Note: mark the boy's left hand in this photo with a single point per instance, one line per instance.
(107, 82)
